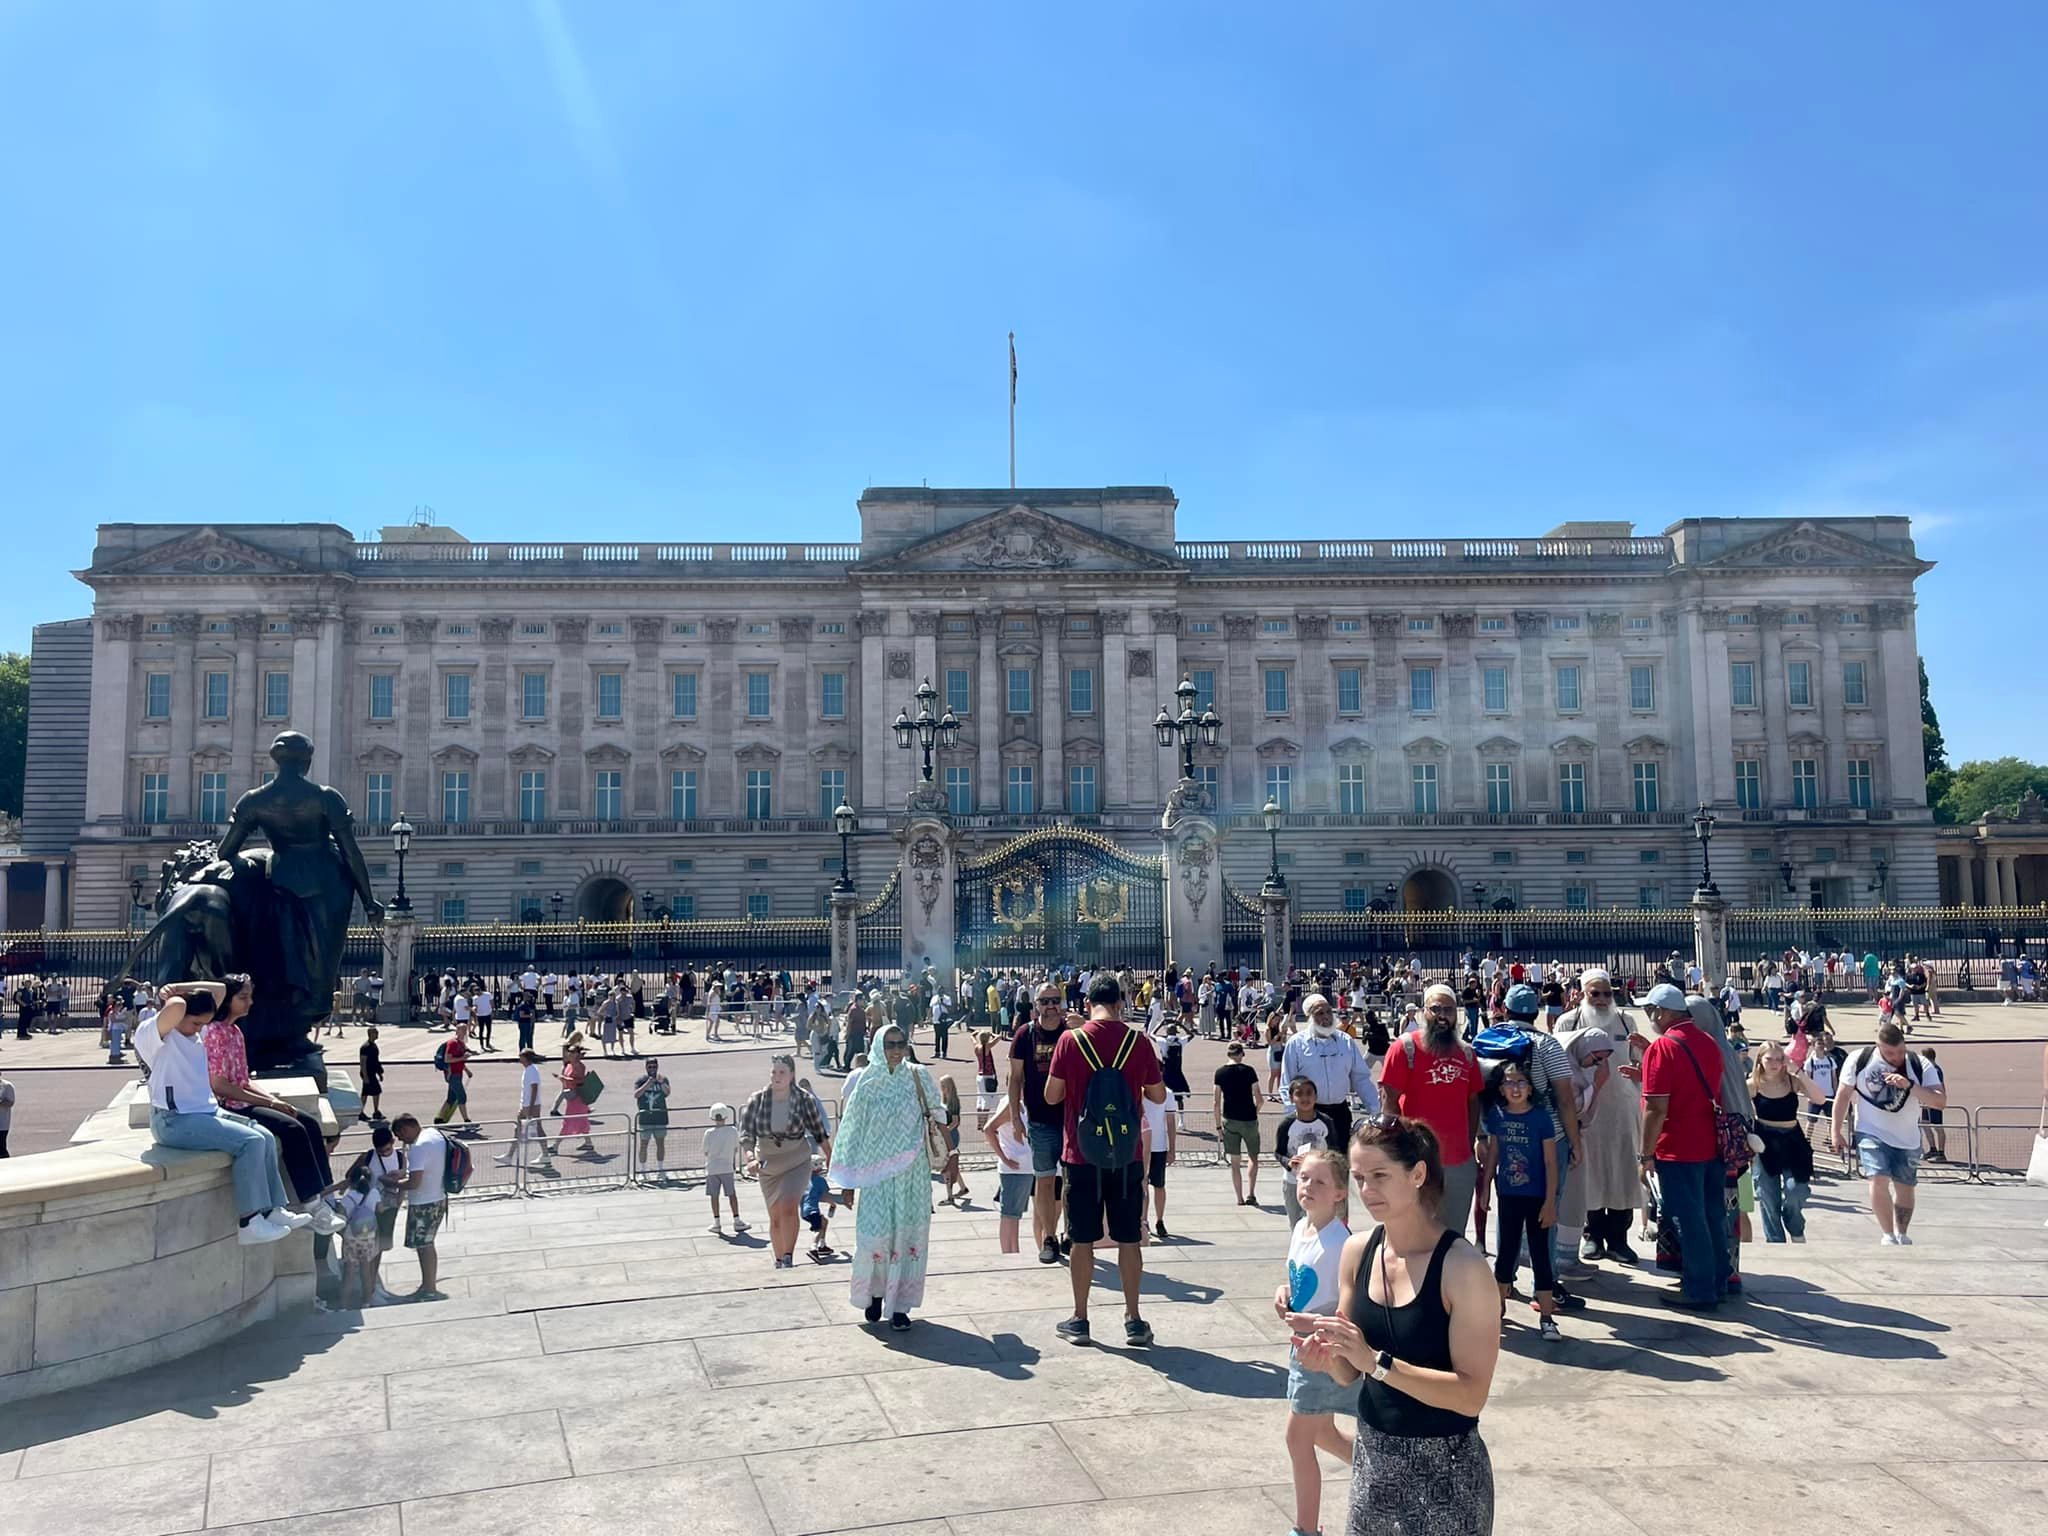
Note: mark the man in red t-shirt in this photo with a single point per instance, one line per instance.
(1681, 1074)
(1434, 1078)
(1099, 1197)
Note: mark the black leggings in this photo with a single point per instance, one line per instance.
(300, 1148)
(1517, 1216)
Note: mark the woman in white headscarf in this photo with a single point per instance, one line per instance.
(1590, 1050)
(881, 1150)
(1610, 1181)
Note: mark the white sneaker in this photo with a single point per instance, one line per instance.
(718, 1227)
(503, 1162)
(327, 1221)
(292, 1221)
(260, 1229)
(1886, 1240)
(1798, 1237)
(1905, 1241)
(740, 1226)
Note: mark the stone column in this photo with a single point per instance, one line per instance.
(1243, 706)
(242, 693)
(493, 768)
(721, 772)
(845, 941)
(1537, 786)
(1276, 936)
(395, 1006)
(1715, 748)
(185, 706)
(107, 780)
(2005, 881)
(417, 793)
(930, 861)
(648, 794)
(1835, 790)
(1315, 685)
(53, 895)
(1710, 938)
(1120, 706)
(1898, 666)
(1163, 679)
(988, 713)
(1390, 788)
(1052, 711)
(1777, 738)
(1194, 882)
(305, 714)
(876, 711)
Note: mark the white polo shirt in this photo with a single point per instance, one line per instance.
(178, 1080)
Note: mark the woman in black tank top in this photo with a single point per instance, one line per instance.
(1418, 1324)
(1784, 1173)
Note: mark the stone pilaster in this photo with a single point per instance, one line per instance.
(1710, 937)
(845, 941)
(1194, 882)
(1275, 933)
(1052, 711)
(400, 928)
(988, 713)
(930, 864)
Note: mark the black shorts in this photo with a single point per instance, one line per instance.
(1099, 1197)
(1155, 1172)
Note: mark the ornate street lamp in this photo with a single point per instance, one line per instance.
(1877, 885)
(1703, 829)
(1785, 874)
(401, 839)
(134, 900)
(1272, 814)
(927, 730)
(1183, 729)
(847, 819)
(555, 901)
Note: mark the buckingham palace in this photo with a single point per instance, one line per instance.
(615, 729)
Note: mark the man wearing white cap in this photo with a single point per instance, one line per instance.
(1682, 1071)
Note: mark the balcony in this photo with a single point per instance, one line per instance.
(494, 560)
(1410, 554)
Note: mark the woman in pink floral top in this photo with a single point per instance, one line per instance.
(301, 1148)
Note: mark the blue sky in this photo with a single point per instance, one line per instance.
(657, 270)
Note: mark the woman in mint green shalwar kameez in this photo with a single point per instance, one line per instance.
(879, 1150)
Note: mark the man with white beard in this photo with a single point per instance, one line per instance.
(1330, 1059)
(1609, 1136)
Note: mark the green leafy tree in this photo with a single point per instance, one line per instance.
(1997, 785)
(13, 730)
(1933, 751)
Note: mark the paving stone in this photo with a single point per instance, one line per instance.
(645, 1427)
(275, 1414)
(275, 1356)
(171, 1498)
(1084, 1385)
(817, 1354)
(718, 1496)
(376, 1520)
(1236, 1512)
(590, 1378)
(1811, 1499)
(679, 1317)
(921, 1478)
(274, 1483)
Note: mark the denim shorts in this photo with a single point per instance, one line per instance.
(1317, 1391)
(1013, 1197)
(1045, 1148)
(1881, 1160)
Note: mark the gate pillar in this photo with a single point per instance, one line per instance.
(394, 1005)
(931, 861)
(1277, 936)
(845, 941)
(1710, 938)
(1194, 885)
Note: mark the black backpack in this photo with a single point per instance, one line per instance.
(1107, 1127)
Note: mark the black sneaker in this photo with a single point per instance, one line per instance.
(1137, 1332)
(1159, 1231)
(1592, 1249)
(874, 1310)
(900, 1321)
(1074, 1330)
(1621, 1253)
(1066, 1246)
(1568, 1301)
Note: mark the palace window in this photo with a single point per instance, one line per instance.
(760, 793)
(1860, 784)
(1571, 787)
(1081, 789)
(611, 695)
(1495, 683)
(1568, 700)
(1351, 790)
(1019, 798)
(156, 797)
(216, 696)
(1749, 784)
(1742, 684)
(831, 791)
(1422, 788)
(1280, 786)
(1500, 794)
(1645, 776)
(960, 791)
(213, 797)
(377, 798)
(533, 695)
(682, 794)
(533, 794)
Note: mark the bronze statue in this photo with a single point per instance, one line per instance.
(281, 917)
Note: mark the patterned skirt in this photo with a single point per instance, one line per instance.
(1441, 1485)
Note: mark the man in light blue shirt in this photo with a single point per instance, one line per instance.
(1330, 1059)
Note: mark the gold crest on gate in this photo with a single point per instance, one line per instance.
(1103, 902)
(1026, 908)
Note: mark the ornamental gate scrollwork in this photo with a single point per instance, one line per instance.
(1062, 896)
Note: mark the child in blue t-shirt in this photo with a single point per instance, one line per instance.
(1521, 1156)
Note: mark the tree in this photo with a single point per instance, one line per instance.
(13, 730)
(1933, 750)
(1997, 785)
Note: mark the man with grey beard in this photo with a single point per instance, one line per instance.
(1432, 1076)
(1611, 1131)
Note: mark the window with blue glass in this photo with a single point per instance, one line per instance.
(831, 791)
(277, 695)
(760, 793)
(216, 695)
(1017, 688)
(607, 794)
(377, 798)
(455, 795)
(1081, 691)
(1019, 796)
(1204, 679)
(383, 696)
(156, 696)
(832, 695)
(455, 694)
(957, 695)
(682, 794)
(611, 695)
(1081, 789)
(213, 797)
(757, 695)
(1350, 691)
(1276, 690)
(1422, 689)
(533, 695)
(682, 688)
(959, 791)
(533, 794)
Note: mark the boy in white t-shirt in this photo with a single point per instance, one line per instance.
(527, 1124)
(1014, 1167)
(721, 1166)
(1156, 1147)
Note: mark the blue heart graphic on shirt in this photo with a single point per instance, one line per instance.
(1301, 1285)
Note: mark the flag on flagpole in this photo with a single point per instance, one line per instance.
(1013, 367)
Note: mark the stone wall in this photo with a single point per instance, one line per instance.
(117, 1254)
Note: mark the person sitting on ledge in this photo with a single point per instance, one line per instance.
(184, 1114)
(301, 1146)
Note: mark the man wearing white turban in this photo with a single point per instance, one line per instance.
(1611, 1128)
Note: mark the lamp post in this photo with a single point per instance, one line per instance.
(846, 819)
(401, 839)
(1272, 814)
(927, 730)
(1877, 885)
(1703, 829)
(555, 901)
(1785, 874)
(1184, 728)
(134, 900)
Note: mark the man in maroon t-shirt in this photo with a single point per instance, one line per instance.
(1681, 1075)
(1099, 1197)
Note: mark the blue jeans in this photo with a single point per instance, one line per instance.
(1696, 1196)
(1781, 1202)
(258, 1184)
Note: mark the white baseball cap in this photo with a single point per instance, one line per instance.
(1665, 996)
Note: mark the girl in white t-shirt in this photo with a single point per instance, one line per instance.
(1013, 1164)
(1314, 1398)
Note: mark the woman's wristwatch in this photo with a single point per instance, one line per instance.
(1382, 1365)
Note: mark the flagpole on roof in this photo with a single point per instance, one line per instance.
(1013, 410)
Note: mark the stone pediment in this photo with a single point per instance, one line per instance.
(682, 751)
(1426, 746)
(759, 752)
(1278, 746)
(530, 755)
(1350, 746)
(1019, 539)
(1573, 745)
(208, 552)
(1810, 546)
(378, 757)
(1645, 746)
(1499, 746)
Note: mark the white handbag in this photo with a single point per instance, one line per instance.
(2037, 1165)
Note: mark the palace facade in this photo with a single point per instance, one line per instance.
(668, 726)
